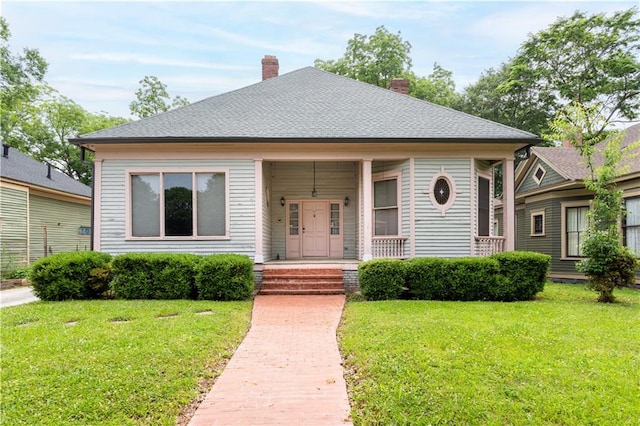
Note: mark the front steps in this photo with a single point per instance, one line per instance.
(302, 280)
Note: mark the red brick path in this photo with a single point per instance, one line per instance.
(286, 371)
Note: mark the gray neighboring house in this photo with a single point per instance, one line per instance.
(552, 203)
(42, 211)
(309, 166)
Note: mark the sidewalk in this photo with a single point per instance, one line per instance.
(287, 371)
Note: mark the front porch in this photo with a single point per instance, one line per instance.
(367, 209)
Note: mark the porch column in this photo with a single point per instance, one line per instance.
(508, 205)
(259, 255)
(367, 219)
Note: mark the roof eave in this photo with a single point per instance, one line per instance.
(241, 139)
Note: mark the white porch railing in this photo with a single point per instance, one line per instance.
(388, 247)
(486, 246)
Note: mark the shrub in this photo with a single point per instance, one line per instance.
(424, 277)
(224, 277)
(524, 274)
(74, 275)
(608, 264)
(154, 275)
(451, 279)
(381, 279)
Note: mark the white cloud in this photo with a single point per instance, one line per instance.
(154, 60)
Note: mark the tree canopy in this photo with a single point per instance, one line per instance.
(593, 60)
(21, 80)
(152, 98)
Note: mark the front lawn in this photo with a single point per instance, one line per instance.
(561, 359)
(112, 362)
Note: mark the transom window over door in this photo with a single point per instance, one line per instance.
(385, 207)
(180, 204)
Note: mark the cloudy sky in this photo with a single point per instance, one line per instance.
(99, 51)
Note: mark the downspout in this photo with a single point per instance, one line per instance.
(93, 193)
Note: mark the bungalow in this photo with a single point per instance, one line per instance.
(42, 211)
(552, 204)
(308, 165)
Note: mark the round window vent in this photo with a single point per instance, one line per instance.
(441, 191)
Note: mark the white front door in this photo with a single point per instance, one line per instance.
(315, 229)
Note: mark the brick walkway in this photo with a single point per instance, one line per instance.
(286, 371)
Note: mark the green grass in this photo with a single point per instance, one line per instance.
(112, 362)
(562, 359)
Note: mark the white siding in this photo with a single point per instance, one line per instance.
(448, 235)
(241, 208)
(335, 180)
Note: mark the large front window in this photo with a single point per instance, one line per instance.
(385, 207)
(631, 225)
(184, 204)
(576, 228)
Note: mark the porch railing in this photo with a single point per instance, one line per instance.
(486, 246)
(389, 247)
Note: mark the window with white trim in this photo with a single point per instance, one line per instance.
(631, 224)
(178, 204)
(538, 175)
(576, 229)
(385, 206)
(537, 224)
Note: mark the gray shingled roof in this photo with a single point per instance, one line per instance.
(22, 168)
(569, 163)
(311, 104)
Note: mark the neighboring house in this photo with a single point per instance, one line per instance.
(42, 211)
(552, 203)
(308, 165)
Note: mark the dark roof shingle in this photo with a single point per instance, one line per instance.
(314, 104)
(22, 168)
(569, 163)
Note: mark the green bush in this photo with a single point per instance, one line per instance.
(524, 274)
(154, 275)
(608, 264)
(423, 277)
(466, 278)
(74, 275)
(381, 279)
(224, 277)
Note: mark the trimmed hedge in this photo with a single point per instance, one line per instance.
(224, 277)
(506, 277)
(465, 278)
(71, 276)
(154, 275)
(524, 272)
(381, 279)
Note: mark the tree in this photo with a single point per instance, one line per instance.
(589, 59)
(48, 126)
(375, 59)
(21, 77)
(608, 263)
(153, 98)
(522, 107)
(438, 87)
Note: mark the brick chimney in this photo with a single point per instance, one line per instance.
(399, 85)
(269, 67)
